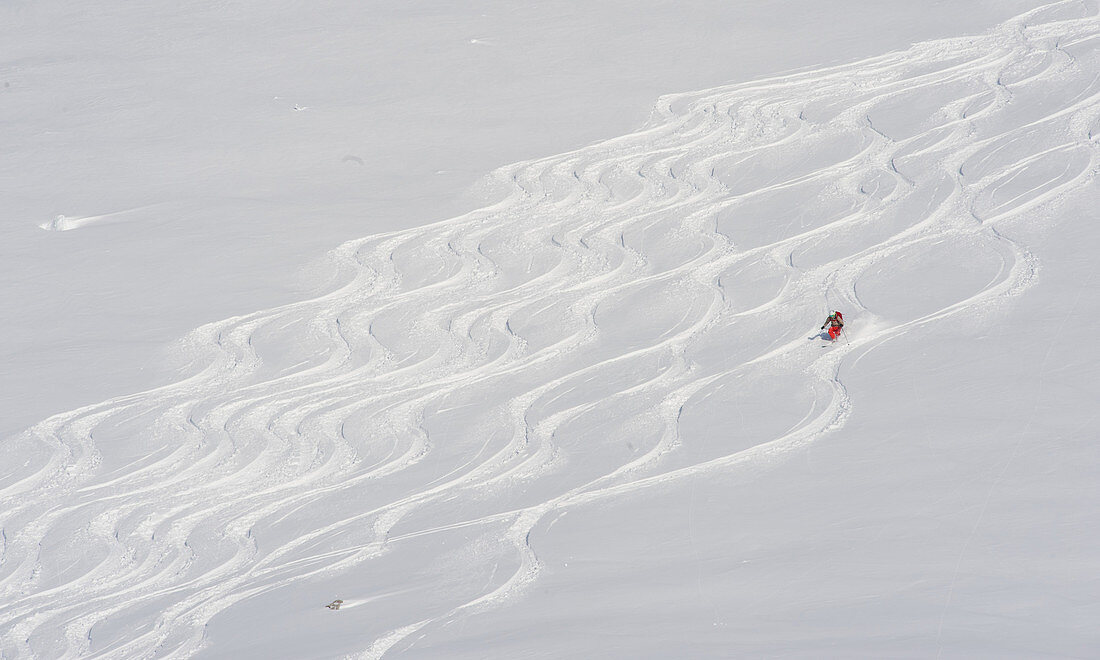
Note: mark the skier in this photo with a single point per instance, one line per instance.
(835, 323)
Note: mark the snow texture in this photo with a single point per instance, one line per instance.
(595, 417)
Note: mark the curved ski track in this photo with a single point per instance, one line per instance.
(447, 385)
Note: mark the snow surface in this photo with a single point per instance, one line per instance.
(591, 415)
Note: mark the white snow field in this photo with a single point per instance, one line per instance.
(594, 417)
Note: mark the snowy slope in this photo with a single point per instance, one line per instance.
(209, 152)
(596, 416)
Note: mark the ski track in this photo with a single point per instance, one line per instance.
(457, 362)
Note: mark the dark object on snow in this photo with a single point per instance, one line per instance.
(335, 605)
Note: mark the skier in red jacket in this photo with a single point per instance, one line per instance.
(835, 323)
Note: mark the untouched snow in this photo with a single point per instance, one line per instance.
(594, 417)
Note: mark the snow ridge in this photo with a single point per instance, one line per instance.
(472, 377)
